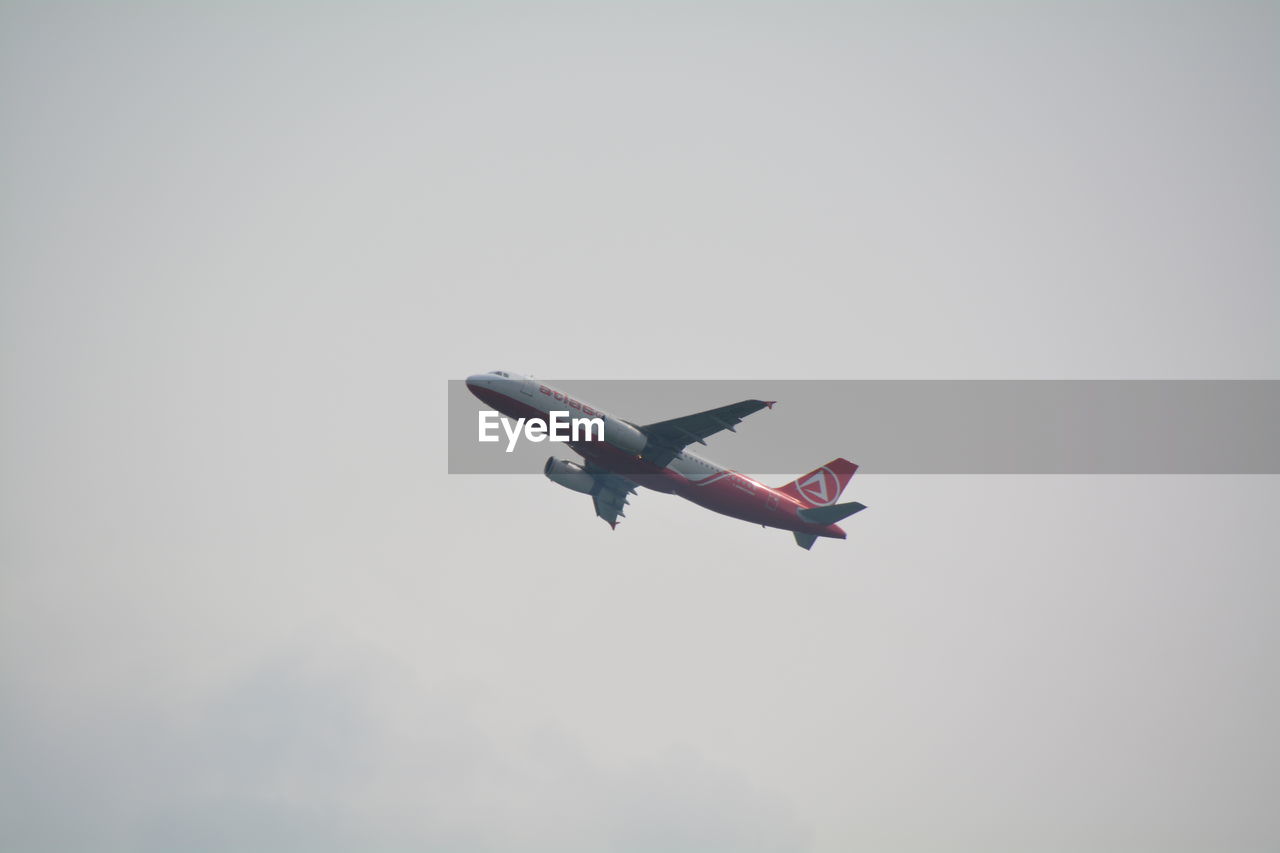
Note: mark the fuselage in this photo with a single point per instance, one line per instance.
(688, 475)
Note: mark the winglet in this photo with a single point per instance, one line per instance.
(770, 403)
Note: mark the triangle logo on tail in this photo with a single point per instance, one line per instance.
(820, 487)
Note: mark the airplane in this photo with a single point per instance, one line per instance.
(656, 456)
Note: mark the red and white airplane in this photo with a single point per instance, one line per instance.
(655, 456)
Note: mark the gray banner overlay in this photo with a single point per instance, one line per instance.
(932, 426)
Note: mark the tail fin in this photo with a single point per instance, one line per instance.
(822, 486)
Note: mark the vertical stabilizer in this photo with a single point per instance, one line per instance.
(821, 486)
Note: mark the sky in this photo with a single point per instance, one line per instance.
(243, 247)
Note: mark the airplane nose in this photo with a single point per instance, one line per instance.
(477, 381)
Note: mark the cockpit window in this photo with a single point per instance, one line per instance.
(502, 373)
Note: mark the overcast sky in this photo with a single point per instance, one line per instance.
(242, 247)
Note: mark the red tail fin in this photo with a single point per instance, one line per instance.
(821, 486)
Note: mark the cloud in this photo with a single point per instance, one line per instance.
(327, 749)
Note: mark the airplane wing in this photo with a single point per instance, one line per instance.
(609, 493)
(668, 438)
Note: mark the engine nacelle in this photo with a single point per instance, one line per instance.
(569, 475)
(623, 435)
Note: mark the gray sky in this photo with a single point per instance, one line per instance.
(242, 247)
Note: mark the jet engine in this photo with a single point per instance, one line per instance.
(624, 436)
(569, 474)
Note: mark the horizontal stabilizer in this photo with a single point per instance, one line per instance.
(829, 514)
(805, 540)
